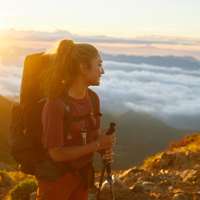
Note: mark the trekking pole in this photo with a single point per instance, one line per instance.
(101, 180)
(109, 179)
(107, 166)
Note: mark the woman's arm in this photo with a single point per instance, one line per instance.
(66, 153)
(96, 134)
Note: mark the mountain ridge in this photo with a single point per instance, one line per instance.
(140, 135)
(10, 57)
(186, 62)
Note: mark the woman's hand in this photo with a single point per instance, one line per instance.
(108, 155)
(106, 141)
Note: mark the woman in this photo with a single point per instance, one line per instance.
(73, 68)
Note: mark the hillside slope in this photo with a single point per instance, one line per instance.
(171, 175)
(5, 106)
(139, 135)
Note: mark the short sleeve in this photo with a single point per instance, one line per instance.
(52, 122)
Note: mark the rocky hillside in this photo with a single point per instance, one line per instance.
(173, 174)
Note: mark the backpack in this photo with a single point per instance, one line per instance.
(26, 125)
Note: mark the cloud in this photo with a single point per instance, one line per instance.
(33, 35)
(128, 67)
(10, 80)
(59, 34)
(156, 90)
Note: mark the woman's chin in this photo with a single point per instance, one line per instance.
(96, 84)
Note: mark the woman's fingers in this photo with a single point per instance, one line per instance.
(106, 141)
(108, 155)
(108, 151)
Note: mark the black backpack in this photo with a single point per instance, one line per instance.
(26, 126)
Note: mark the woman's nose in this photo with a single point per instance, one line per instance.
(102, 70)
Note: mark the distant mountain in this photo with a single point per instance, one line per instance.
(183, 121)
(15, 55)
(139, 135)
(188, 58)
(5, 157)
(5, 106)
(186, 63)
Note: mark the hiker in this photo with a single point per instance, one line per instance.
(72, 68)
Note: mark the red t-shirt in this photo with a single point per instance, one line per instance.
(52, 120)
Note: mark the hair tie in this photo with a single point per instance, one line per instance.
(73, 44)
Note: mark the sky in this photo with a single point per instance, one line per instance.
(115, 18)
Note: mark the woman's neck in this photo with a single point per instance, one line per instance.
(77, 90)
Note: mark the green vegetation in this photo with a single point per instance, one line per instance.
(23, 190)
(188, 142)
(4, 174)
(150, 160)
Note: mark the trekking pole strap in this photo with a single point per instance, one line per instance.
(109, 180)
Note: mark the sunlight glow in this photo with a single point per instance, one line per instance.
(1, 25)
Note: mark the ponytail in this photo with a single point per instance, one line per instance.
(64, 59)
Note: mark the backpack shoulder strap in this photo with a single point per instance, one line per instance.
(94, 99)
(68, 110)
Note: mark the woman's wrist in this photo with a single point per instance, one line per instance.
(97, 143)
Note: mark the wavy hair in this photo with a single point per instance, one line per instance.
(63, 61)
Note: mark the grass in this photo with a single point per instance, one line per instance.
(16, 176)
(19, 176)
(188, 142)
(150, 160)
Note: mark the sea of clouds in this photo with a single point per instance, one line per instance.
(151, 88)
(160, 91)
(10, 80)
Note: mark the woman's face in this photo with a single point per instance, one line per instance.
(93, 74)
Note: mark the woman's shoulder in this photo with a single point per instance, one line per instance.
(54, 104)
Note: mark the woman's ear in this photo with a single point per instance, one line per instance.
(83, 68)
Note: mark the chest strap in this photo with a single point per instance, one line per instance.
(88, 116)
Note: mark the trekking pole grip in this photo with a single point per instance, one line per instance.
(111, 129)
